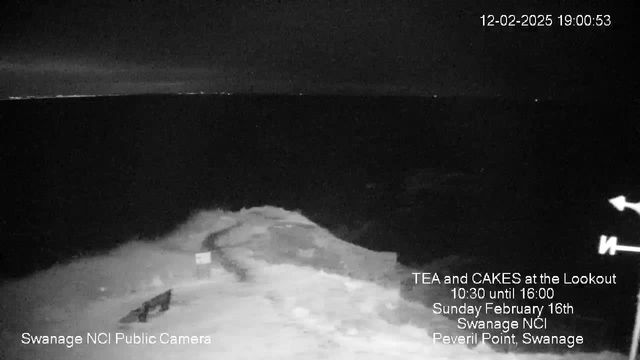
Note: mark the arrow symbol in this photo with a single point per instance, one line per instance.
(610, 244)
(621, 203)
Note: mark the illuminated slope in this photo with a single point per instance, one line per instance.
(291, 306)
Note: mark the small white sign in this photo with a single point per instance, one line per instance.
(203, 258)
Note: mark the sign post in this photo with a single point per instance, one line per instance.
(203, 262)
(610, 244)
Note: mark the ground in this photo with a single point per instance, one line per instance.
(308, 295)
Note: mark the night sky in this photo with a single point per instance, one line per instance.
(362, 46)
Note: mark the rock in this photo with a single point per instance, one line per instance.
(274, 238)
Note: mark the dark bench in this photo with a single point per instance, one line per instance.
(163, 301)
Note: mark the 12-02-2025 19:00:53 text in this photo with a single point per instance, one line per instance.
(581, 20)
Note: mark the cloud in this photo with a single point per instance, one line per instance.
(79, 66)
(66, 76)
(61, 67)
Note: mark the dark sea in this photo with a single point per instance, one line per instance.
(522, 185)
